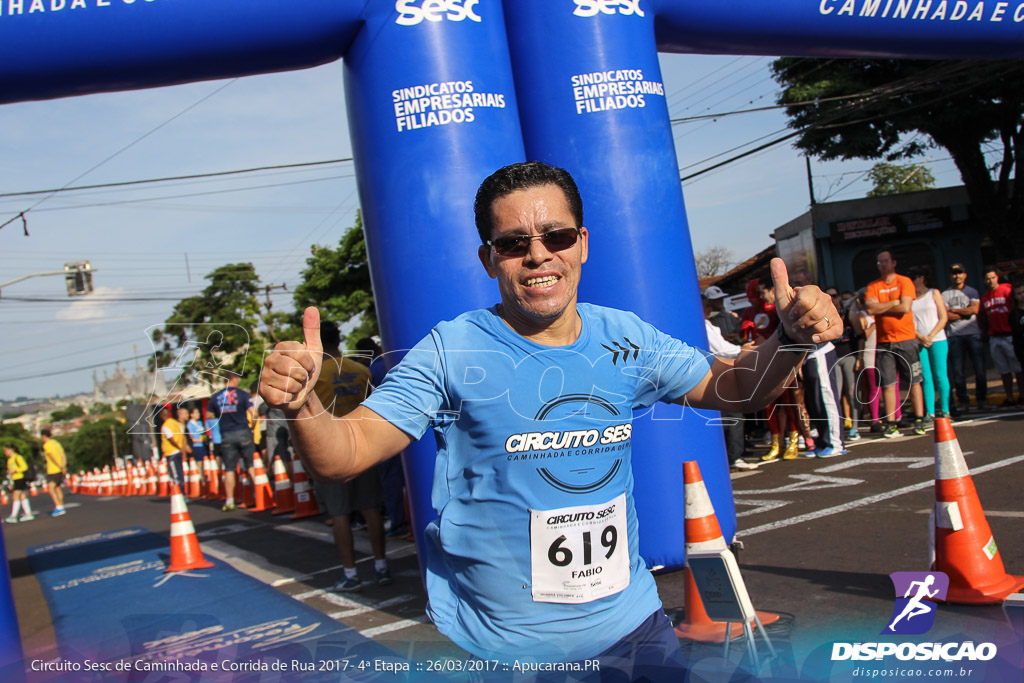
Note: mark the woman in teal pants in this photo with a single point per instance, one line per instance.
(930, 320)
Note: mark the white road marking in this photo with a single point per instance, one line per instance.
(800, 519)
(394, 626)
(246, 562)
(761, 505)
(805, 482)
(915, 463)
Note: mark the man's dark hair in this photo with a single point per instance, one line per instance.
(883, 250)
(367, 345)
(992, 269)
(521, 176)
(330, 337)
(47, 433)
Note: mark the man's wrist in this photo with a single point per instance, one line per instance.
(786, 343)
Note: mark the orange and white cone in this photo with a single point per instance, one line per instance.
(33, 491)
(150, 479)
(284, 498)
(164, 479)
(3, 497)
(964, 546)
(703, 533)
(185, 552)
(195, 485)
(305, 502)
(262, 492)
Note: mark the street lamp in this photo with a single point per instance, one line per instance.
(77, 277)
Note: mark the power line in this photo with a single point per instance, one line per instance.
(165, 179)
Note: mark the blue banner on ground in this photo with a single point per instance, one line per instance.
(119, 617)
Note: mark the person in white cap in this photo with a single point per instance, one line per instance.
(727, 321)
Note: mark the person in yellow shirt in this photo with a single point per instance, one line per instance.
(56, 470)
(173, 444)
(16, 469)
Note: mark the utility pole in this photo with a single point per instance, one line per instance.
(270, 304)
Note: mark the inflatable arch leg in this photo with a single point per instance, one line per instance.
(591, 101)
(432, 112)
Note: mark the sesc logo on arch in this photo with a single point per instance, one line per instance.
(591, 8)
(413, 12)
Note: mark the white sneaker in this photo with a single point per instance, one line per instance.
(27, 518)
(11, 520)
(742, 464)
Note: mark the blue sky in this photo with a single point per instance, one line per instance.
(157, 241)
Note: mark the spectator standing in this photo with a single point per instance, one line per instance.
(995, 322)
(342, 385)
(864, 327)
(732, 422)
(56, 470)
(392, 475)
(1017, 320)
(197, 435)
(889, 300)
(173, 445)
(233, 408)
(820, 395)
(844, 369)
(964, 337)
(727, 321)
(930, 322)
(16, 469)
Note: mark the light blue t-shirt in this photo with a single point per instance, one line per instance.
(533, 445)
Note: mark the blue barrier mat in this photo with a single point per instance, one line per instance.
(119, 617)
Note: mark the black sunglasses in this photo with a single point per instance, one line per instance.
(519, 245)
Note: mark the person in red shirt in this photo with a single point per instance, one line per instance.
(994, 320)
(889, 299)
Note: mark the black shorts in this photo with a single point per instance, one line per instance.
(20, 485)
(899, 359)
(365, 492)
(56, 479)
(235, 446)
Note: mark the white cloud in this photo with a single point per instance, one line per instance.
(95, 305)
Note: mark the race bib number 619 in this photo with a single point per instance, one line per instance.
(579, 554)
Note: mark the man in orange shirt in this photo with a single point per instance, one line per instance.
(889, 299)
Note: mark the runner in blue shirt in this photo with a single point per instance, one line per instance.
(533, 555)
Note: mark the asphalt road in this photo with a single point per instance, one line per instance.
(820, 538)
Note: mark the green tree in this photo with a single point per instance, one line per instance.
(16, 436)
(218, 329)
(337, 281)
(69, 413)
(93, 444)
(895, 179)
(99, 408)
(875, 108)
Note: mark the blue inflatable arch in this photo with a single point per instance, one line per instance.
(442, 92)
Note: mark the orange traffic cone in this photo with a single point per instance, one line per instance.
(195, 485)
(209, 478)
(32, 489)
(305, 503)
(703, 533)
(283, 496)
(150, 479)
(964, 546)
(262, 493)
(164, 483)
(3, 497)
(185, 552)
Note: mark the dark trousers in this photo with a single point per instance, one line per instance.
(960, 349)
(732, 425)
(392, 478)
(822, 399)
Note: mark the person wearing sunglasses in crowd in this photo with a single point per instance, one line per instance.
(499, 583)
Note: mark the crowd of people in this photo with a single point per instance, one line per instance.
(901, 361)
(237, 425)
